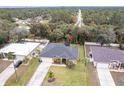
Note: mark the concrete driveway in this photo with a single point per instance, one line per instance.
(5, 75)
(40, 73)
(104, 75)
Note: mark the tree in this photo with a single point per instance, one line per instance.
(21, 32)
(82, 35)
(102, 38)
(117, 19)
(11, 56)
(121, 46)
(2, 40)
(56, 35)
(74, 34)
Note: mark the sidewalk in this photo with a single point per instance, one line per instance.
(5, 75)
(104, 75)
(40, 73)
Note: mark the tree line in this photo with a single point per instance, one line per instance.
(104, 25)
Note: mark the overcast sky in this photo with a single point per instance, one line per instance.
(61, 2)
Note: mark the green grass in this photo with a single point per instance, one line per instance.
(27, 74)
(64, 76)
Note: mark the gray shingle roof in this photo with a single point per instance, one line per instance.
(106, 55)
(60, 50)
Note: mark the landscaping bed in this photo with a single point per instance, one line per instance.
(118, 78)
(4, 64)
(24, 73)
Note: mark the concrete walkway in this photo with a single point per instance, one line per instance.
(104, 75)
(5, 75)
(40, 73)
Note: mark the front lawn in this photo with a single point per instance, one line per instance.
(71, 77)
(24, 73)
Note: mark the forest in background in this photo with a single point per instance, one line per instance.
(104, 25)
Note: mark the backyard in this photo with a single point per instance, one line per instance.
(83, 73)
(24, 73)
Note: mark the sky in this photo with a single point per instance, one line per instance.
(61, 2)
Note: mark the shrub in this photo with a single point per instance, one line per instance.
(70, 64)
(57, 60)
(25, 60)
(121, 46)
(10, 56)
(51, 76)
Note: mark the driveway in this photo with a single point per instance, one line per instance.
(5, 75)
(40, 73)
(104, 75)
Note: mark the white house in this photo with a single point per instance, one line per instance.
(20, 50)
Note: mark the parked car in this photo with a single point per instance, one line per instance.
(18, 64)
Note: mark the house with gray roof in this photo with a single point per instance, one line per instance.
(61, 51)
(107, 55)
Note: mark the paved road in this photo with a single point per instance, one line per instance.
(40, 73)
(5, 75)
(104, 75)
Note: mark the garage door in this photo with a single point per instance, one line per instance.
(102, 65)
(45, 59)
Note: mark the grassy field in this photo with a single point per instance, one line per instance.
(24, 73)
(70, 77)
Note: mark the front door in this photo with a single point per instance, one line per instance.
(63, 61)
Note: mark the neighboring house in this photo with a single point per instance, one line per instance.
(107, 56)
(60, 51)
(20, 50)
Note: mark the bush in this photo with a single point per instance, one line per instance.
(121, 46)
(2, 40)
(57, 60)
(25, 60)
(51, 76)
(10, 56)
(1, 56)
(70, 64)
